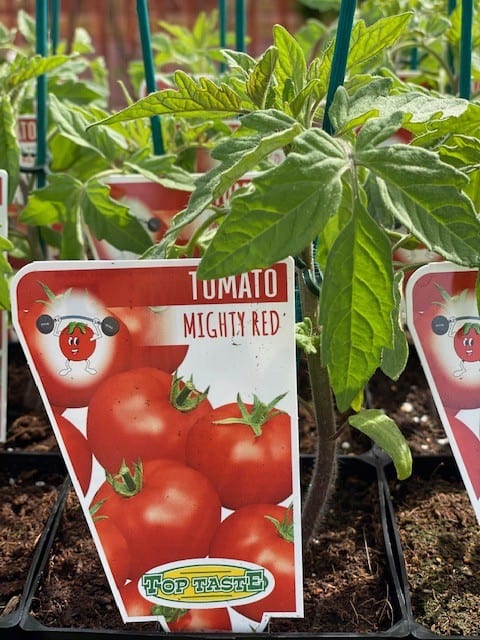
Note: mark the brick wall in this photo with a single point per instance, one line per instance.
(112, 24)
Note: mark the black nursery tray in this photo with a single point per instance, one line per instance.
(438, 550)
(30, 488)
(79, 572)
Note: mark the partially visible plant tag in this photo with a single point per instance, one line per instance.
(3, 314)
(174, 404)
(444, 320)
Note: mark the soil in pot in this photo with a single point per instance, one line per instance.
(27, 498)
(346, 583)
(440, 540)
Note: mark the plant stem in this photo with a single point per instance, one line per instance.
(324, 470)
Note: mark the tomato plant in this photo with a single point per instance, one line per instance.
(166, 511)
(149, 411)
(262, 534)
(245, 450)
(78, 450)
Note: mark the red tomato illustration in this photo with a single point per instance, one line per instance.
(115, 548)
(165, 510)
(262, 534)
(78, 450)
(467, 342)
(437, 301)
(245, 450)
(71, 381)
(77, 341)
(148, 411)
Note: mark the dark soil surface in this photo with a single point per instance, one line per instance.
(346, 584)
(26, 501)
(441, 546)
(346, 574)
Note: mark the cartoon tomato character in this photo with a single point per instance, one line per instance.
(77, 343)
(467, 345)
(443, 319)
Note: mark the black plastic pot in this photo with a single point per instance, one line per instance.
(367, 467)
(429, 469)
(32, 469)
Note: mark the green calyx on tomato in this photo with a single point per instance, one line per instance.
(474, 326)
(257, 417)
(184, 396)
(171, 614)
(81, 326)
(285, 526)
(127, 483)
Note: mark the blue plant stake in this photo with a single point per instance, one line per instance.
(222, 28)
(240, 25)
(149, 67)
(55, 24)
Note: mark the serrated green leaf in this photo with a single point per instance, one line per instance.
(394, 360)
(378, 130)
(291, 66)
(198, 99)
(367, 42)
(237, 157)
(10, 156)
(284, 213)
(259, 82)
(350, 112)
(110, 220)
(27, 69)
(5, 302)
(49, 205)
(356, 305)
(424, 194)
(386, 434)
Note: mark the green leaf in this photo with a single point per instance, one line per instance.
(110, 220)
(198, 99)
(292, 66)
(356, 305)
(10, 156)
(260, 80)
(394, 360)
(349, 112)
(49, 205)
(367, 42)
(386, 434)
(238, 156)
(25, 69)
(424, 194)
(288, 207)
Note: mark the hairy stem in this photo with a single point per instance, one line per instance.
(324, 470)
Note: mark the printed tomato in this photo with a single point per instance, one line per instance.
(177, 619)
(468, 446)
(149, 414)
(262, 534)
(245, 450)
(443, 308)
(165, 510)
(198, 620)
(78, 451)
(70, 373)
(133, 601)
(116, 549)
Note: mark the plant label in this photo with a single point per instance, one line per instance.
(3, 314)
(27, 139)
(444, 320)
(175, 407)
